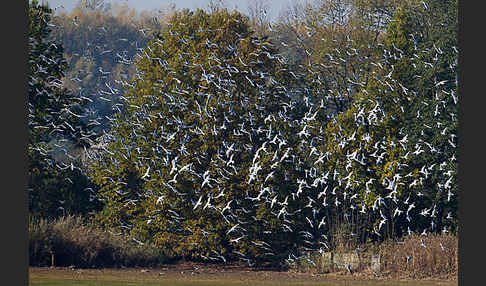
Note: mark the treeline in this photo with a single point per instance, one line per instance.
(228, 137)
(100, 42)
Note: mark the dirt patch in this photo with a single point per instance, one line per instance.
(195, 271)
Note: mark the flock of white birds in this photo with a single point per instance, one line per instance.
(276, 154)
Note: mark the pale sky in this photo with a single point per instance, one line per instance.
(275, 6)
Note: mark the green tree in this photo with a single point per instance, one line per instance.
(54, 114)
(405, 122)
(53, 110)
(189, 135)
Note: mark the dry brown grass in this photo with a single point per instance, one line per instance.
(75, 242)
(406, 259)
(411, 260)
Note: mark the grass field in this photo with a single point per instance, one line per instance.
(202, 277)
